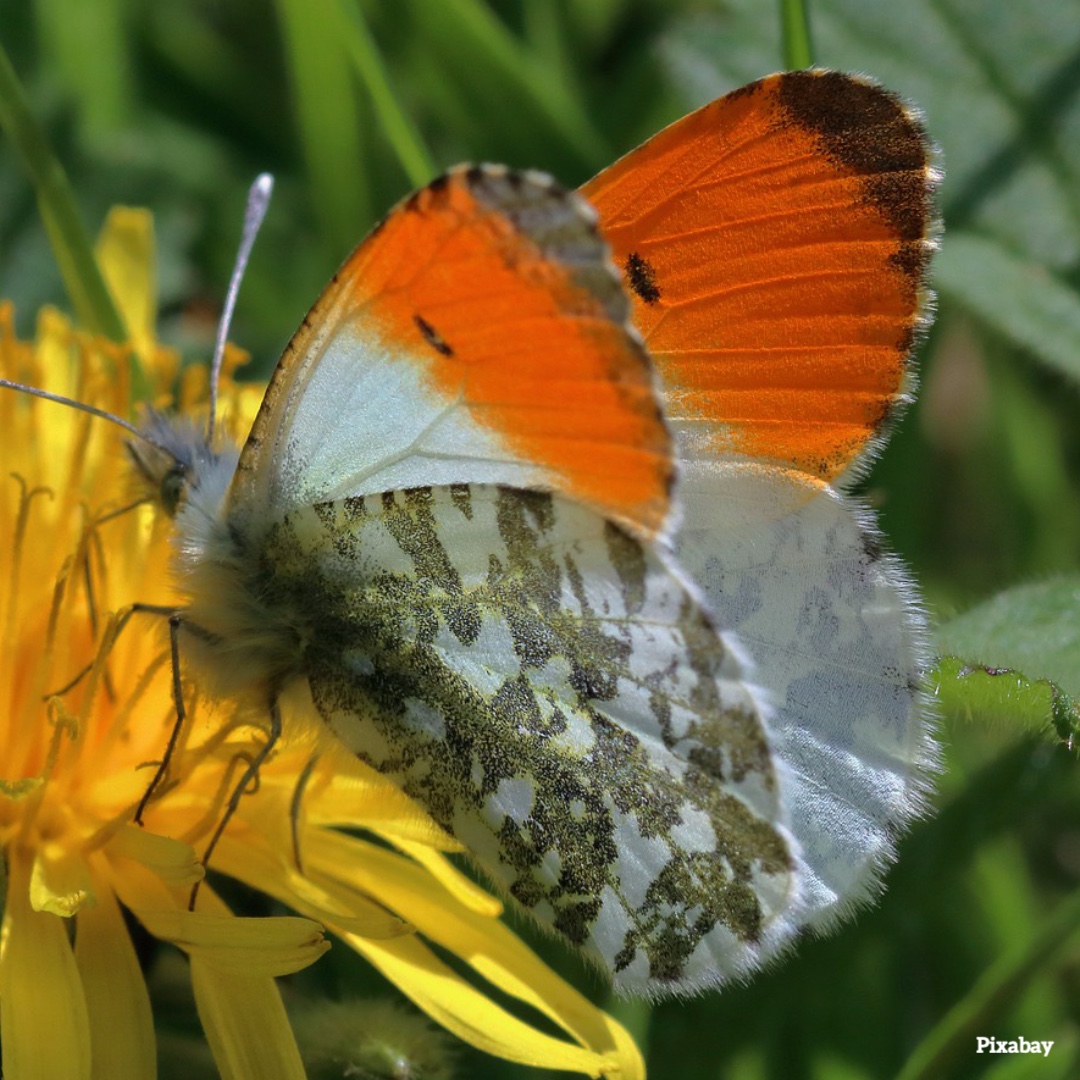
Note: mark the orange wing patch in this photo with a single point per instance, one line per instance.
(499, 286)
(776, 244)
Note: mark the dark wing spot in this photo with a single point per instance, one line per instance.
(642, 278)
(461, 497)
(432, 336)
(431, 196)
(744, 91)
(867, 129)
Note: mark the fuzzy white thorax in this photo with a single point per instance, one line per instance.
(234, 635)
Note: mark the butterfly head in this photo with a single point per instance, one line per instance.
(177, 467)
(172, 458)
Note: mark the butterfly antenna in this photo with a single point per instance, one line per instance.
(33, 391)
(257, 203)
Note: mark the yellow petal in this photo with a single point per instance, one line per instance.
(52, 339)
(125, 252)
(269, 946)
(44, 1026)
(486, 944)
(121, 1023)
(245, 1025)
(60, 883)
(55, 439)
(383, 808)
(464, 890)
(248, 860)
(171, 860)
(471, 1015)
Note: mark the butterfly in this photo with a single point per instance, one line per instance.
(545, 507)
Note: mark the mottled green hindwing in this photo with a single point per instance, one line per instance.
(555, 696)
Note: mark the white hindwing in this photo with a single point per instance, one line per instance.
(797, 571)
(553, 694)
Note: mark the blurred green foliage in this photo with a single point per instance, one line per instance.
(177, 105)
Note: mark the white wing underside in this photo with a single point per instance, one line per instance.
(795, 569)
(551, 692)
(359, 418)
(835, 638)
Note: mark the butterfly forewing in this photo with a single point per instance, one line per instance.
(479, 334)
(552, 692)
(776, 243)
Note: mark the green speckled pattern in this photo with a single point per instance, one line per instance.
(555, 696)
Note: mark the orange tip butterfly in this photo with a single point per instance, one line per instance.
(545, 507)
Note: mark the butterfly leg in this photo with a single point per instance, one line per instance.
(85, 670)
(178, 698)
(92, 537)
(250, 773)
(92, 610)
(175, 620)
(294, 807)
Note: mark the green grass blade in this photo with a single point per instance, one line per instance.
(795, 30)
(103, 91)
(954, 1036)
(489, 56)
(56, 202)
(404, 137)
(545, 33)
(327, 116)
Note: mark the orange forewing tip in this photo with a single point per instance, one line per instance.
(497, 284)
(776, 243)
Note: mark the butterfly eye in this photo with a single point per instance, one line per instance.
(173, 485)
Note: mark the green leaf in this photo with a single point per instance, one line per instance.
(1014, 295)
(1032, 628)
(1015, 660)
(1006, 697)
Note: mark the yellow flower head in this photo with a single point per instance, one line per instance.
(87, 712)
